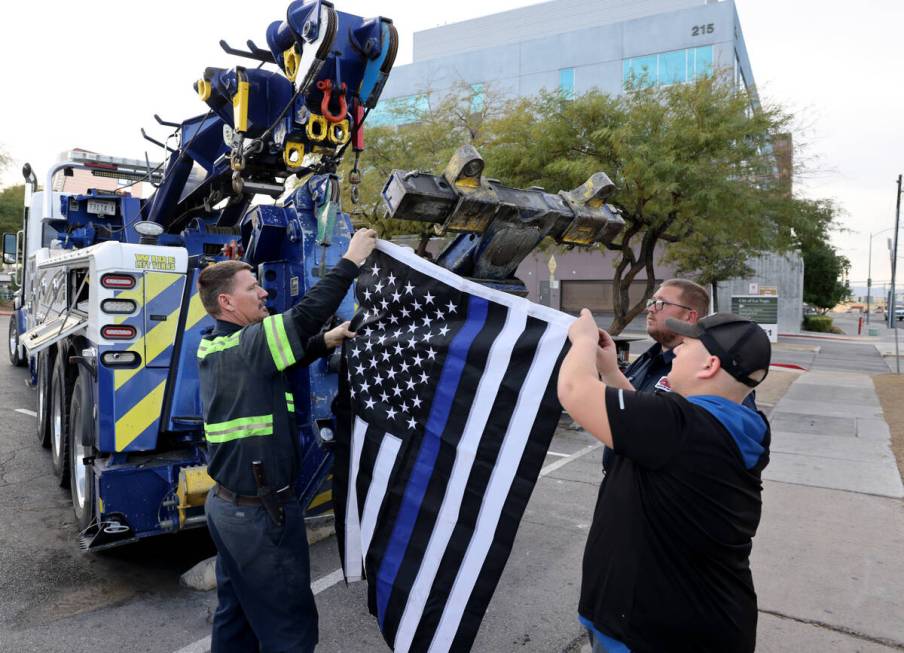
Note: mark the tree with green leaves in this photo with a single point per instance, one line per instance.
(692, 164)
(825, 276)
(11, 199)
(712, 256)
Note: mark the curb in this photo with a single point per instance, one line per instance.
(789, 366)
(864, 339)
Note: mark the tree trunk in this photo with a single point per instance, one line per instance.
(715, 295)
(622, 280)
(422, 245)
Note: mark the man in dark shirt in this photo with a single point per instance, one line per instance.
(256, 521)
(680, 299)
(667, 563)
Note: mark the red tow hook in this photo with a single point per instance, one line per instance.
(326, 85)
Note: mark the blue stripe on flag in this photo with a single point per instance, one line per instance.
(426, 458)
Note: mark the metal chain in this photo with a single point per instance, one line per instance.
(354, 178)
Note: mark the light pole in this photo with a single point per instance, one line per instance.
(892, 321)
(869, 276)
(869, 270)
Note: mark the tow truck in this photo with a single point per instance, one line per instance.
(108, 317)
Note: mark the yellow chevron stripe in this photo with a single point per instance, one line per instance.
(141, 416)
(151, 344)
(147, 287)
(320, 499)
(196, 311)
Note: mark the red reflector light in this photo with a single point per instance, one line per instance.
(117, 281)
(118, 332)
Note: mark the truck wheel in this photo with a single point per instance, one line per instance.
(43, 428)
(81, 420)
(60, 392)
(14, 358)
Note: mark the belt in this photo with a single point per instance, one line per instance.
(284, 495)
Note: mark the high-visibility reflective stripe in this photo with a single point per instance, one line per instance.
(206, 347)
(271, 343)
(239, 434)
(254, 420)
(290, 401)
(284, 339)
(278, 342)
(241, 427)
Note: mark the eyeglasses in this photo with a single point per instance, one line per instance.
(657, 305)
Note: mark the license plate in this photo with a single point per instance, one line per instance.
(101, 208)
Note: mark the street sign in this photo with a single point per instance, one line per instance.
(760, 309)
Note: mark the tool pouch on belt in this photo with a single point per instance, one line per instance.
(267, 495)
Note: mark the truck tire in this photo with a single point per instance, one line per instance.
(60, 394)
(81, 445)
(43, 384)
(15, 357)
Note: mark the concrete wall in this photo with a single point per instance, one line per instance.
(526, 48)
(535, 22)
(785, 272)
(576, 265)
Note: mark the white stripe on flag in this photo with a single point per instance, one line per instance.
(406, 256)
(353, 557)
(500, 484)
(494, 370)
(386, 457)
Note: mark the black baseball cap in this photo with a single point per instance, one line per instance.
(740, 345)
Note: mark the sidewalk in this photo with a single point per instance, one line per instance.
(827, 559)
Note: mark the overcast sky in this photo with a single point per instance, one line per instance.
(88, 74)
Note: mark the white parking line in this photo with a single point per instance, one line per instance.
(25, 411)
(318, 586)
(551, 467)
(556, 453)
(324, 583)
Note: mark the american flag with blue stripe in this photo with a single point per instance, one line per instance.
(451, 388)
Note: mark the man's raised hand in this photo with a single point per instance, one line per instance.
(361, 245)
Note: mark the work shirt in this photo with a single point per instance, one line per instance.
(649, 373)
(667, 566)
(650, 369)
(248, 409)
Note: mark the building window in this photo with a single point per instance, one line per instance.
(641, 71)
(664, 68)
(566, 83)
(703, 61)
(399, 111)
(478, 100)
(673, 67)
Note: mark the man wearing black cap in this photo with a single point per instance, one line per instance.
(666, 567)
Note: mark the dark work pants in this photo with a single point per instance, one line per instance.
(263, 580)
